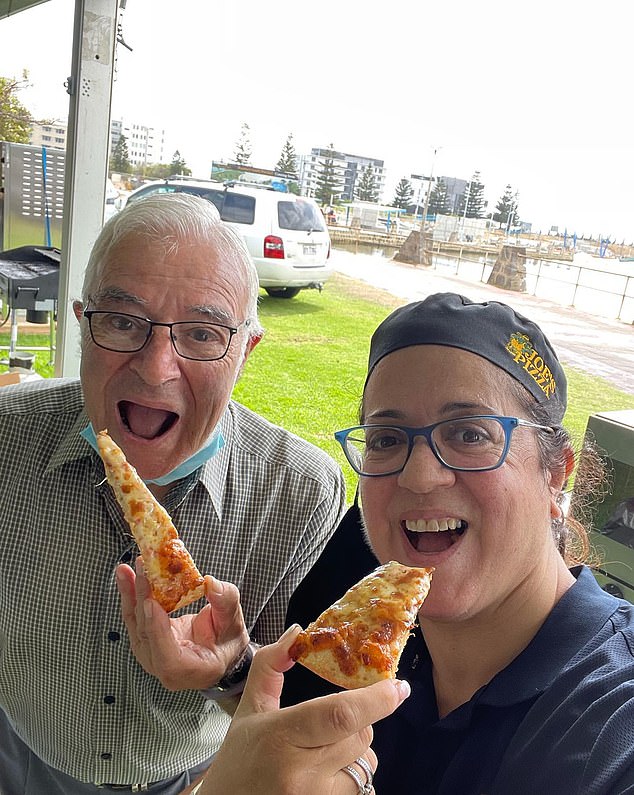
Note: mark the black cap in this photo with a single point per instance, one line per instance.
(492, 330)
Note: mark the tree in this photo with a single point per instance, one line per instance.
(403, 194)
(179, 166)
(15, 119)
(287, 163)
(367, 190)
(506, 207)
(119, 160)
(243, 145)
(156, 171)
(474, 198)
(438, 199)
(328, 185)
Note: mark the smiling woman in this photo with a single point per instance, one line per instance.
(521, 661)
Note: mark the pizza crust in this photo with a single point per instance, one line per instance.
(172, 574)
(360, 638)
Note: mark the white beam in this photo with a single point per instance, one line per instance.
(87, 150)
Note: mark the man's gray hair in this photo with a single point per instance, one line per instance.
(171, 219)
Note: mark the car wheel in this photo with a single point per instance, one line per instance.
(282, 292)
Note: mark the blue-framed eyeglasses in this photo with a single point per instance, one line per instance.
(464, 444)
(123, 333)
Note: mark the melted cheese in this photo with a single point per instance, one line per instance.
(360, 638)
(171, 572)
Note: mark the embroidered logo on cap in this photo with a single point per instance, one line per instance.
(523, 352)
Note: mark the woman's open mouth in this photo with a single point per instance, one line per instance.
(433, 535)
(146, 422)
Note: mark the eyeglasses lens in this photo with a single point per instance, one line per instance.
(469, 443)
(128, 333)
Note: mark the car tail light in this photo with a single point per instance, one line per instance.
(273, 247)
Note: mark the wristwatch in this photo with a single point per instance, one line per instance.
(232, 683)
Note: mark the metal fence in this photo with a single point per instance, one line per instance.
(607, 292)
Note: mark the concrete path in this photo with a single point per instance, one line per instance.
(586, 342)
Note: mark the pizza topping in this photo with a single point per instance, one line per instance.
(359, 639)
(173, 577)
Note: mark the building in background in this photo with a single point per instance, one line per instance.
(455, 191)
(146, 145)
(52, 136)
(348, 169)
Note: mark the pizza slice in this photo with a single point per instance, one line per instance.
(173, 577)
(360, 638)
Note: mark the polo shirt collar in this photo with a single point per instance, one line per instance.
(573, 622)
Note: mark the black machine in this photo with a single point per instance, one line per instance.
(29, 280)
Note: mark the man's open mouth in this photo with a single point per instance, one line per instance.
(434, 535)
(146, 422)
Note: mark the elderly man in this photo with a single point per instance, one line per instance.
(93, 697)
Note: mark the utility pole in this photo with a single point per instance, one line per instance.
(422, 237)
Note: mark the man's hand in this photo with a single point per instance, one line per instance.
(302, 748)
(191, 652)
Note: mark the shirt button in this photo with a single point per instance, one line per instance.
(106, 756)
(114, 636)
(109, 699)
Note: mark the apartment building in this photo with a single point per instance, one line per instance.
(52, 136)
(146, 145)
(348, 169)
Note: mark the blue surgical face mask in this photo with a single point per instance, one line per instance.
(214, 444)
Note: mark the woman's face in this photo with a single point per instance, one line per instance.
(503, 542)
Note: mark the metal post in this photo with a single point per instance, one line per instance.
(422, 238)
(87, 149)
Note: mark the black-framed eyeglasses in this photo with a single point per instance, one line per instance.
(464, 444)
(123, 333)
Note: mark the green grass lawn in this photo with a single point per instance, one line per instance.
(307, 373)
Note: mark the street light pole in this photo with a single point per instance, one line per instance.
(422, 237)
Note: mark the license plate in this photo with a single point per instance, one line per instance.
(310, 250)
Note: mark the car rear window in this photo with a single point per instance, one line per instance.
(234, 207)
(300, 216)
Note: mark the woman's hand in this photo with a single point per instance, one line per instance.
(302, 748)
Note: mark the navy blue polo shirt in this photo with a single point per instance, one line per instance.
(558, 720)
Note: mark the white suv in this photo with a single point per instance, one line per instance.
(286, 234)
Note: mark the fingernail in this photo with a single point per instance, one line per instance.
(403, 689)
(215, 586)
(148, 608)
(292, 630)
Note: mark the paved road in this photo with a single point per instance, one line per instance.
(592, 344)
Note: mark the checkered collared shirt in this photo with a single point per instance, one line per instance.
(257, 514)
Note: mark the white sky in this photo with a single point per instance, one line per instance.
(533, 94)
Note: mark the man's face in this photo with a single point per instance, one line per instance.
(159, 407)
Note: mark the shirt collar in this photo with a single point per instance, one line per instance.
(73, 447)
(573, 622)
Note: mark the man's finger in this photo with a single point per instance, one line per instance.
(224, 599)
(126, 585)
(266, 677)
(330, 719)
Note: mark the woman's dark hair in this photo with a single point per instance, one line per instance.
(570, 529)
